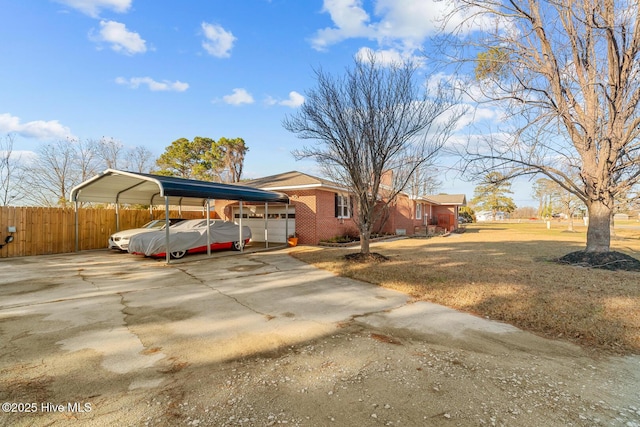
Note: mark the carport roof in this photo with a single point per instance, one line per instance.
(115, 186)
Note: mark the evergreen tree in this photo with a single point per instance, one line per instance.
(491, 194)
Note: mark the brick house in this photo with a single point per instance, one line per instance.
(321, 209)
(442, 210)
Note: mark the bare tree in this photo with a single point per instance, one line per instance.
(57, 168)
(51, 176)
(85, 158)
(10, 172)
(110, 151)
(424, 181)
(556, 199)
(371, 124)
(139, 159)
(570, 204)
(566, 74)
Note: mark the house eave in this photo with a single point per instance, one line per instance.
(319, 186)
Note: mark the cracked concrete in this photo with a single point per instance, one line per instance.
(119, 306)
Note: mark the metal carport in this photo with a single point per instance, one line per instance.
(122, 187)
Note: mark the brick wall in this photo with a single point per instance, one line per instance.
(316, 221)
(401, 215)
(306, 207)
(328, 225)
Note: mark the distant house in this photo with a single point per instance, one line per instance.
(483, 216)
(321, 209)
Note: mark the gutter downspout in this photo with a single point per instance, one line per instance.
(286, 225)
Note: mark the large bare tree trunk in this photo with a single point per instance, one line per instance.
(598, 232)
(365, 241)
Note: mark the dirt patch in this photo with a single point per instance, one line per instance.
(365, 258)
(612, 260)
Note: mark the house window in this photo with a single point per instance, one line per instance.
(418, 210)
(343, 206)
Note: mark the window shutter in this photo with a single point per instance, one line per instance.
(335, 205)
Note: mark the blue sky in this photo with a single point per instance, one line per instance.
(149, 72)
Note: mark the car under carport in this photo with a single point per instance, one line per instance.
(123, 187)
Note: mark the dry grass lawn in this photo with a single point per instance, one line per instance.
(507, 272)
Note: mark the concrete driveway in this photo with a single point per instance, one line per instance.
(108, 329)
(135, 312)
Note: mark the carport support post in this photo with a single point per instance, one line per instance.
(240, 227)
(75, 210)
(166, 228)
(266, 224)
(117, 216)
(208, 229)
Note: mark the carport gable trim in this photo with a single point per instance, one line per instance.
(76, 192)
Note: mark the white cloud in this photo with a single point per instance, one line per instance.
(218, 41)
(295, 100)
(350, 20)
(382, 56)
(406, 23)
(121, 39)
(93, 7)
(238, 97)
(37, 129)
(411, 21)
(153, 85)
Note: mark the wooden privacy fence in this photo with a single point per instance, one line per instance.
(44, 231)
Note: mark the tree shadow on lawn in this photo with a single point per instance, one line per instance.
(466, 229)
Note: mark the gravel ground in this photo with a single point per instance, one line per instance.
(358, 377)
(361, 377)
